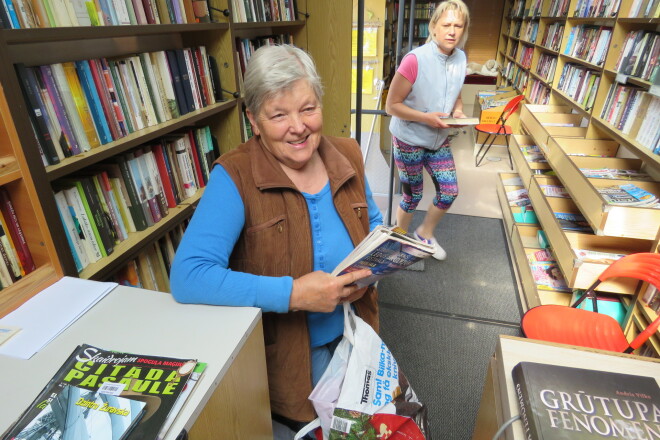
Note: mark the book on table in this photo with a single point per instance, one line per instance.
(384, 250)
(157, 381)
(557, 402)
(75, 412)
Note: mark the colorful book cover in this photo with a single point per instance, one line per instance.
(81, 104)
(157, 381)
(79, 413)
(557, 402)
(570, 221)
(548, 276)
(93, 101)
(59, 107)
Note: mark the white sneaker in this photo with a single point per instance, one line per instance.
(439, 253)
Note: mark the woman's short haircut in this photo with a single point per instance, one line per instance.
(274, 69)
(461, 10)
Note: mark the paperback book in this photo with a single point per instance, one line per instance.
(384, 250)
(627, 194)
(570, 221)
(557, 402)
(533, 154)
(555, 191)
(157, 381)
(518, 197)
(75, 412)
(548, 276)
(615, 173)
(597, 256)
(460, 121)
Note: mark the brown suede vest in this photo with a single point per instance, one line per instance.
(276, 241)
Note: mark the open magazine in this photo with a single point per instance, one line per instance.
(384, 250)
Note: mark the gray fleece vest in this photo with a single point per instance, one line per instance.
(438, 85)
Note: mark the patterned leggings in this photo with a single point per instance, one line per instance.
(411, 159)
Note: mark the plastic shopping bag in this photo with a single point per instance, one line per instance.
(363, 394)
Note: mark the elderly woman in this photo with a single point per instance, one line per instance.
(279, 213)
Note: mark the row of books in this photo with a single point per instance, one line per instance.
(645, 9)
(615, 173)
(597, 8)
(246, 46)
(558, 8)
(639, 56)
(516, 75)
(139, 397)
(513, 50)
(552, 36)
(517, 9)
(77, 106)
(526, 55)
(517, 25)
(648, 134)
(248, 11)
(421, 12)
(30, 14)
(626, 108)
(420, 30)
(130, 192)
(539, 93)
(530, 31)
(580, 84)
(546, 66)
(589, 43)
(151, 268)
(15, 257)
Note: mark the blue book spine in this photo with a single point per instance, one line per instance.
(93, 100)
(13, 18)
(76, 260)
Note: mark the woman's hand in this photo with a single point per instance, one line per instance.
(459, 114)
(435, 119)
(321, 292)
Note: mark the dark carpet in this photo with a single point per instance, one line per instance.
(442, 324)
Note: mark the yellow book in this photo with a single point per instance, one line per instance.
(81, 104)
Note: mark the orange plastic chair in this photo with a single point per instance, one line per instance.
(573, 326)
(498, 129)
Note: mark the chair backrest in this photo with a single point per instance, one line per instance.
(644, 266)
(510, 108)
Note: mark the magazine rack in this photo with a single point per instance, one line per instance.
(498, 129)
(570, 325)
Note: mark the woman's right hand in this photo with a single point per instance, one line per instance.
(435, 119)
(321, 292)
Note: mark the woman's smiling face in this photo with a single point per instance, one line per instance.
(290, 124)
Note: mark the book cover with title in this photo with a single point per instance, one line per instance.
(558, 402)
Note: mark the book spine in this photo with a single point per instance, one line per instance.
(107, 210)
(185, 167)
(81, 104)
(95, 215)
(142, 90)
(193, 75)
(171, 159)
(137, 212)
(193, 152)
(70, 112)
(122, 202)
(150, 162)
(149, 185)
(152, 87)
(185, 80)
(113, 205)
(137, 109)
(177, 82)
(161, 65)
(14, 268)
(109, 83)
(141, 190)
(103, 90)
(168, 188)
(93, 101)
(60, 108)
(58, 136)
(30, 92)
(6, 278)
(77, 211)
(15, 231)
(73, 228)
(122, 96)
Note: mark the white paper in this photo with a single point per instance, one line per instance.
(49, 313)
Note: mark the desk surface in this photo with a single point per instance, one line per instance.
(137, 321)
(511, 350)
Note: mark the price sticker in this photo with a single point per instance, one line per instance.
(621, 78)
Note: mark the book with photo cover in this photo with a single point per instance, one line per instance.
(78, 413)
(555, 191)
(628, 194)
(557, 402)
(518, 197)
(155, 380)
(548, 276)
(570, 221)
(384, 250)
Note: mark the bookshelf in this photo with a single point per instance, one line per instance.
(32, 184)
(564, 120)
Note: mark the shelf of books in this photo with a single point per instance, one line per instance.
(119, 114)
(28, 260)
(592, 198)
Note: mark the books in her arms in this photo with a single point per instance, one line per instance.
(557, 402)
(79, 413)
(627, 194)
(155, 380)
(384, 250)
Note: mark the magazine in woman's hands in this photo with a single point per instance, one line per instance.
(383, 251)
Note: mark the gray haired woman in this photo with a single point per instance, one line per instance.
(278, 214)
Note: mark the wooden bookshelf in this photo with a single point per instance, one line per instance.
(30, 182)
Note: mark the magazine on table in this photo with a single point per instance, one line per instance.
(384, 250)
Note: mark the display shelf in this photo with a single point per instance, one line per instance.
(614, 220)
(542, 122)
(580, 273)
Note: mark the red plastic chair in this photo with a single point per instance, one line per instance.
(573, 326)
(498, 129)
